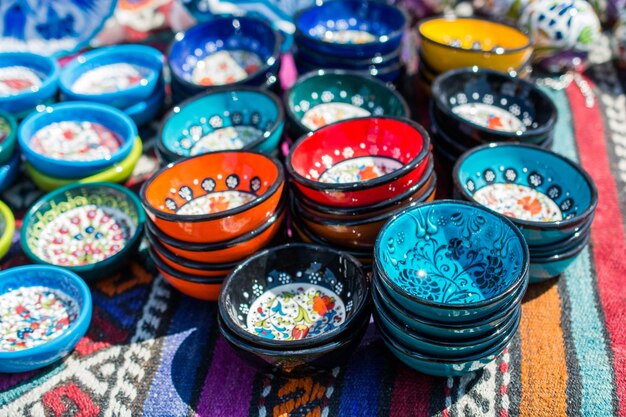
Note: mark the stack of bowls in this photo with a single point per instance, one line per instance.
(224, 51)
(7, 229)
(471, 107)
(9, 155)
(449, 279)
(350, 177)
(355, 35)
(449, 43)
(227, 118)
(207, 213)
(79, 142)
(129, 77)
(296, 308)
(550, 198)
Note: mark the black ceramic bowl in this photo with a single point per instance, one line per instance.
(295, 296)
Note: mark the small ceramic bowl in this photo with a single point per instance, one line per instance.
(295, 296)
(89, 229)
(346, 63)
(8, 134)
(351, 28)
(543, 268)
(119, 76)
(546, 195)
(43, 332)
(359, 162)
(386, 73)
(448, 43)
(564, 245)
(26, 80)
(488, 106)
(77, 139)
(223, 119)
(451, 260)
(224, 50)
(9, 171)
(214, 197)
(7, 229)
(117, 173)
(326, 96)
(144, 112)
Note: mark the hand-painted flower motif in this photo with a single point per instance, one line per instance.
(14, 80)
(490, 116)
(519, 201)
(327, 113)
(225, 67)
(348, 36)
(110, 78)
(215, 202)
(359, 169)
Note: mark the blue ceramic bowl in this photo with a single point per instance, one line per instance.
(223, 119)
(119, 76)
(108, 117)
(386, 73)
(546, 195)
(147, 110)
(25, 99)
(8, 135)
(543, 268)
(562, 246)
(9, 171)
(73, 288)
(451, 260)
(259, 43)
(314, 58)
(351, 28)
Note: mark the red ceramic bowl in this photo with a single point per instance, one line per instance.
(359, 162)
(214, 197)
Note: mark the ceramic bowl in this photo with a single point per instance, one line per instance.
(214, 197)
(295, 296)
(7, 229)
(359, 162)
(89, 229)
(223, 119)
(448, 43)
(60, 322)
(75, 140)
(119, 76)
(146, 111)
(9, 171)
(8, 134)
(313, 57)
(545, 267)
(488, 106)
(562, 246)
(326, 96)
(351, 28)
(224, 50)
(118, 172)
(386, 73)
(546, 195)
(451, 260)
(26, 80)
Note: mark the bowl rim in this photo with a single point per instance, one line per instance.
(84, 315)
(78, 269)
(585, 229)
(571, 253)
(160, 265)
(404, 170)
(298, 228)
(529, 224)
(521, 277)
(321, 339)
(442, 106)
(52, 77)
(380, 58)
(9, 228)
(190, 218)
(222, 90)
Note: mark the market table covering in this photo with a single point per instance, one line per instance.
(152, 351)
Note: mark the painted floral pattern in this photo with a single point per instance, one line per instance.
(295, 311)
(225, 67)
(76, 141)
(14, 80)
(359, 169)
(349, 36)
(215, 202)
(110, 78)
(231, 137)
(84, 235)
(519, 201)
(32, 316)
(326, 113)
(489, 116)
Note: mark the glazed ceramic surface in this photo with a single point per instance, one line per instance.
(110, 78)
(16, 79)
(551, 266)
(8, 134)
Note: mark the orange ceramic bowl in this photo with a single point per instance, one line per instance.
(214, 197)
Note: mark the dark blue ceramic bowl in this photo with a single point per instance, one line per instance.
(545, 267)
(451, 260)
(351, 28)
(380, 61)
(546, 195)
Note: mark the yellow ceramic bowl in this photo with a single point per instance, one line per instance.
(118, 173)
(449, 43)
(7, 229)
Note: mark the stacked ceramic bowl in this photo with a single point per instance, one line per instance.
(78, 142)
(355, 35)
(224, 51)
(128, 77)
(296, 308)
(551, 199)
(471, 107)
(449, 279)
(9, 154)
(350, 177)
(207, 213)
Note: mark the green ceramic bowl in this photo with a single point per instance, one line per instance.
(8, 134)
(90, 229)
(7, 228)
(326, 96)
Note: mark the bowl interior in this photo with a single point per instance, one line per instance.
(451, 253)
(525, 183)
(232, 119)
(294, 292)
(23, 73)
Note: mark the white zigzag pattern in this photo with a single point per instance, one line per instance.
(463, 402)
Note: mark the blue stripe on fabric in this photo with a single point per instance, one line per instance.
(14, 393)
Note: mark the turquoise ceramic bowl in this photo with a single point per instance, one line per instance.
(223, 119)
(562, 246)
(543, 268)
(546, 195)
(8, 134)
(9, 171)
(146, 111)
(451, 260)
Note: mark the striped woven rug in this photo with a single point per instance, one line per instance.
(150, 351)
